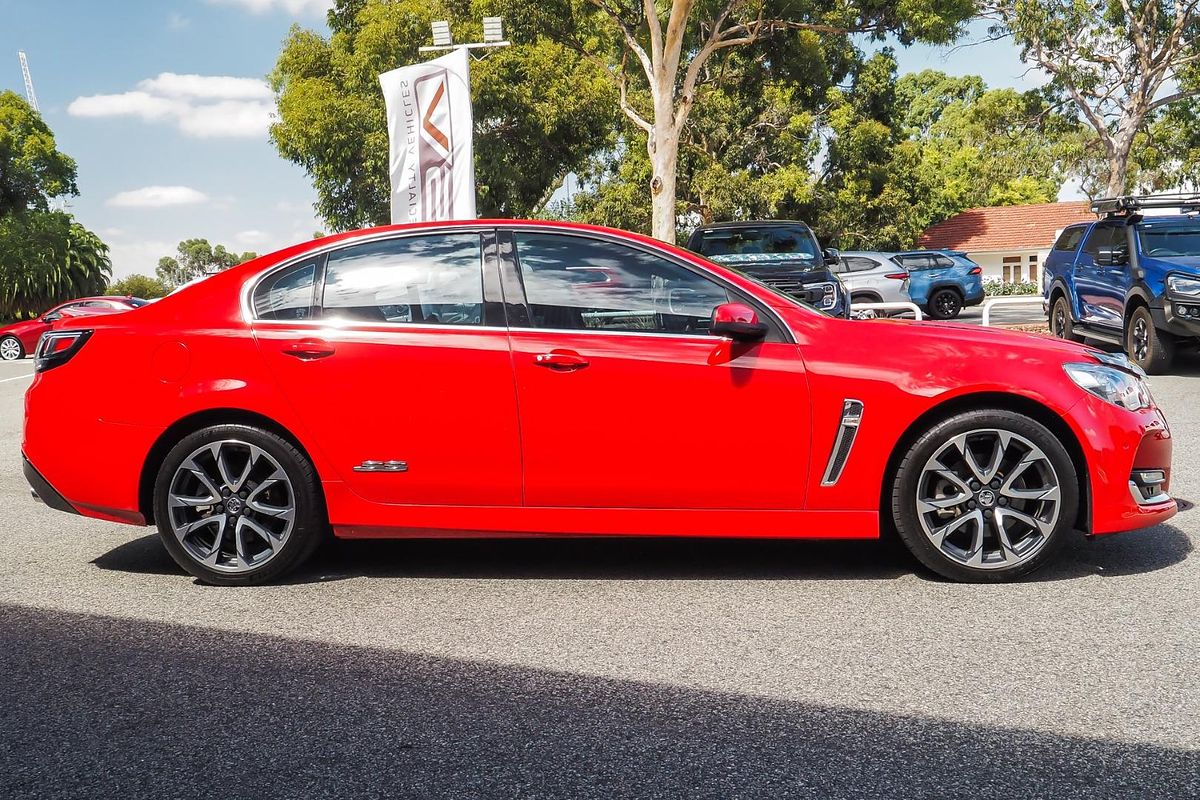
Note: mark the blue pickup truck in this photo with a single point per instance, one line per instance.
(1129, 279)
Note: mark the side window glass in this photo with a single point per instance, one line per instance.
(1069, 240)
(288, 294)
(944, 261)
(1101, 236)
(576, 283)
(429, 280)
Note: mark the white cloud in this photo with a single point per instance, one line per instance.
(290, 6)
(138, 257)
(250, 238)
(157, 197)
(177, 21)
(204, 106)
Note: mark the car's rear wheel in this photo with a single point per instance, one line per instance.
(985, 496)
(945, 304)
(236, 505)
(1146, 346)
(1061, 324)
(11, 349)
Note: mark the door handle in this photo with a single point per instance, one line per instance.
(561, 360)
(309, 349)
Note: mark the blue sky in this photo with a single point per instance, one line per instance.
(161, 103)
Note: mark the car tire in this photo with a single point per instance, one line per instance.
(945, 304)
(1061, 323)
(11, 349)
(985, 531)
(1148, 347)
(236, 505)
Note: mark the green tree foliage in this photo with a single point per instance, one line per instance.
(32, 170)
(1120, 64)
(195, 258)
(540, 109)
(45, 256)
(45, 259)
(142, 286)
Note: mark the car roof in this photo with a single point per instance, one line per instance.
(752, 223)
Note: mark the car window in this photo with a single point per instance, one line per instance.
(1103, 236)
(916, 261)
(577, 283)
(1069, 240)
(943, 261)
(431, 280)
(287, 294)
(766, 244)
(857, 264)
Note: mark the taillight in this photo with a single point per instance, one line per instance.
(975, 271)
(57, 348)
(898, 276)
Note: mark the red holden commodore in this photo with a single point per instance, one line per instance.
(501, 378)
(20, 338)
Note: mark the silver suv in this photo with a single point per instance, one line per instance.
(873, 277)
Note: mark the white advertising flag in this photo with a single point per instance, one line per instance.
(432, 160)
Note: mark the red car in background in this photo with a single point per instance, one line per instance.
(478, 379)
(20, 338)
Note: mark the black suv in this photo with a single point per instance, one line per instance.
(781, 254)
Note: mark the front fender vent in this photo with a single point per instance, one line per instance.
(852, 411)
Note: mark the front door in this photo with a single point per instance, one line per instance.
(1102, 287)
(395, 371)
(626, 401)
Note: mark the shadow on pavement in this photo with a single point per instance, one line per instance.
(665, 558)
(99, 707)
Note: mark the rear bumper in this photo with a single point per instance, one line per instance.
(42, 490)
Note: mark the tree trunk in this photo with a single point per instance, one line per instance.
(664, 155)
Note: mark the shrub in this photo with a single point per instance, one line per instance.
(999, 289)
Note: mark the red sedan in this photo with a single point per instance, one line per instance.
(477, 379)
(20, 338)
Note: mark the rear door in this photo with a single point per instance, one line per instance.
(625, 397)
(399, 367)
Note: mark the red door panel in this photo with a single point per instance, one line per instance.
(661, 421)
(438, 398)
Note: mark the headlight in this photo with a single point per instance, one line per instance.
(1180, 284)
(1116, 386)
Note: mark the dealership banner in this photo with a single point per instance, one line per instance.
(432, 161)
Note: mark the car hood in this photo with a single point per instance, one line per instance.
(981, 338)
(18, 328)
(1187, 263)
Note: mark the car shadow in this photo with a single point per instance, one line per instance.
(603, 558)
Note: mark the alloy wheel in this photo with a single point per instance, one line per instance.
(988, 499)
(1060, 323)
(947, 304)
(1140, 339)
(231, 505)
(10, 349)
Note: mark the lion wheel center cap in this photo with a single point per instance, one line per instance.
(986, 498)
(233, 505)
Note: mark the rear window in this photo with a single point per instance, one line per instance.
(1069, 240)
(768, 243)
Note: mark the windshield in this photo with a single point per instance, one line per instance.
(1165, 242)
(765, 246)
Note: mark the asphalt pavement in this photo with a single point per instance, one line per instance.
(595, 668)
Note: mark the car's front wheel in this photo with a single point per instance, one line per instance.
(237, 505)
(945, 304)
(11, 349)
(1149, 348)
(985, 496)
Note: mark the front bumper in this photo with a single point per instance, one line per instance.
(1118, 451)
(1180, 318)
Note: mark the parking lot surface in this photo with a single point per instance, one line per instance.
(595, 668)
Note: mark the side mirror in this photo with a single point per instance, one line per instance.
(737, 321)
(831, 256)
(53, 316)
(1112, 257)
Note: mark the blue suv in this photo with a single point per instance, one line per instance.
(1130, 280)
(942, 282)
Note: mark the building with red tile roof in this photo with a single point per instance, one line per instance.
(1009, 242)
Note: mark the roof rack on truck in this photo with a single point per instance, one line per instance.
(1132, 204)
